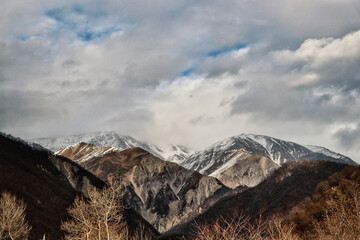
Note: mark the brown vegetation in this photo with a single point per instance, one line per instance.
(244, 229)
(13, 224)
(333, 212)
(341, 215)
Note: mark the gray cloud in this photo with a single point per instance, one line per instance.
(349, 138)
(283, 68)
(322, 86)
(18, 109)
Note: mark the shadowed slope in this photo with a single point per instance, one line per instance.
(46, 183)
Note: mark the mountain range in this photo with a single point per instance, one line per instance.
(243, 160)
(249, 158)
(171, 187)
(171, 152)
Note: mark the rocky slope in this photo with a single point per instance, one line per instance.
(163, 192)
(284, 189)
(175, 153)
(249, 170)
(48, 184)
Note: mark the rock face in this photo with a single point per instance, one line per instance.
(162, 192)
(249, 170)
(174, 153)
(48, 185)
(235, 158)
(276, 195)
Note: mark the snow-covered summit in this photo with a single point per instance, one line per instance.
(224, 154)
(174, 153)
(112, 139)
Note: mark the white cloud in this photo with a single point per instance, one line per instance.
(319, 52)
(117, 65)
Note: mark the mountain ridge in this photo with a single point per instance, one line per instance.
(210, 160)
(230, 156)
(171, 152)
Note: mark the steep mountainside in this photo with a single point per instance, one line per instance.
(163, 192)
(174, 153)
(278, 194)
(48, 184)
(230, 152)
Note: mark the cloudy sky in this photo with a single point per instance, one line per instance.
(186, 72)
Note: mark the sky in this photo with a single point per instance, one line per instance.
(188, 72)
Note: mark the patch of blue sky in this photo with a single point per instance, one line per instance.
(78, 9)
(85, 30)
(191, 69)
(225, 49)
(89, 34)
(23, 38)
(211, 54)
(58, 14)
(187, 72)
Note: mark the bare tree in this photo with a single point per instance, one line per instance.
(341, 216)
(13, 224)
(139, 234)
(244, 229)
(97, 217)
(224, 229)
(277, 230)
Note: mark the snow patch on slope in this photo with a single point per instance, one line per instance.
(84, 152)
(227, 164)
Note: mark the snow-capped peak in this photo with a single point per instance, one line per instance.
(223, 154)
(171, 153)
